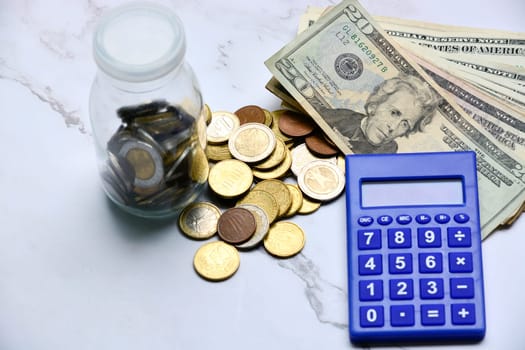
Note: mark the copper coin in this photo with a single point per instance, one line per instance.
(319, 145)
(296, 124)
(251, 114)
(236, 225)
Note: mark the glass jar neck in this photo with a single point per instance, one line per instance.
(142, 86)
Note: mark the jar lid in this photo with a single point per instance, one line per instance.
(139, 42)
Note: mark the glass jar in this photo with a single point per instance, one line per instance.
(146, 112)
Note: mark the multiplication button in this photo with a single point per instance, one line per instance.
(460, 262)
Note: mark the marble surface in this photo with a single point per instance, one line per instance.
(77, 273)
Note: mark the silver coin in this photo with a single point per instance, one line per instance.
(263, 225)
(145, 160)
(222, 125)
(252, 142)
(321, 180)
(199, 220)
(302, 156)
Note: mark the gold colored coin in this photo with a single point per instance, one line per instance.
(297, 200)
(275, 126)
(309, 206)
(200, 169)
(341, 163)
(216, 261)
(199, 220)
(284, 239)
(230, 178)
(264, 200)
(268, 118)
(218, 152)
(279, 191)
(207, 113)
(222, 125)
(302, 156)
(252, 142)
(321, 180)
(277, 172)
(277, 156)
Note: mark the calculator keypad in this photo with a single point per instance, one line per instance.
(416, 270)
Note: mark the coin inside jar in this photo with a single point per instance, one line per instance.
(236, 225)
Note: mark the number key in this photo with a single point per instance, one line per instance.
(400, 263)
(399, 238)
(369, 239)
(429, 237)
(430, 262)
(371, 290)
(431, 288)
(402, 289)
(370, 264)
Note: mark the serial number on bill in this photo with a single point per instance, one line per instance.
(347, 36)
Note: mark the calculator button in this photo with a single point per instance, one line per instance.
(400, 263)
(371, 316)
(399, 238)
(431, 288)
(384, 220)
(370, 264)
(402, 315)
(463, 314)
(459, 237)
(402, 289)
(461, 218)
(430, 263)
(423, 219)
(433, 315)
(462, 288)
(429, 237)
(404, 219)
(369, 239)
(371, 290)
(442, 218)
(460, 262)
(365, 220)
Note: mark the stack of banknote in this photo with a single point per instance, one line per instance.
(385, 85)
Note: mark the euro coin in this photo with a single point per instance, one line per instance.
(262, 226)
(277, 156)
(146, 162)
(264, 200)
(219, 152)
(236, 225)
(297, 200)
(279, 191)
(207, 113)
(216, 261)
(295, 124)
(302, 156)
(252, 142)
(275, 126)
(308, 206)
(284, 239)
(230, 178)
(199, 220)
(321, 180)
(278, 171)
(222, 125)
(250, 114)
(318, 145)
(268, 118)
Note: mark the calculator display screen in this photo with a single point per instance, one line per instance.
(411, 192)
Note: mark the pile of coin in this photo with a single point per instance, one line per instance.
(154, 159)
(271, 165)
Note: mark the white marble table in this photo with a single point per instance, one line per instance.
(77, 273)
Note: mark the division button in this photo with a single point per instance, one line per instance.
(459, 237)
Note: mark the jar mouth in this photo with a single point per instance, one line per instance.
(139, 42)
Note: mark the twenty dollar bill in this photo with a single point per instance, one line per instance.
(359, 87)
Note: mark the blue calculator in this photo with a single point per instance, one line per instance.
(414, 248)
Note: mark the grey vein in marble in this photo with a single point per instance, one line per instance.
(223, 58)
(45, 95)
(329, 302)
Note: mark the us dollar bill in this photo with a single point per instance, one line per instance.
(359, 87)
